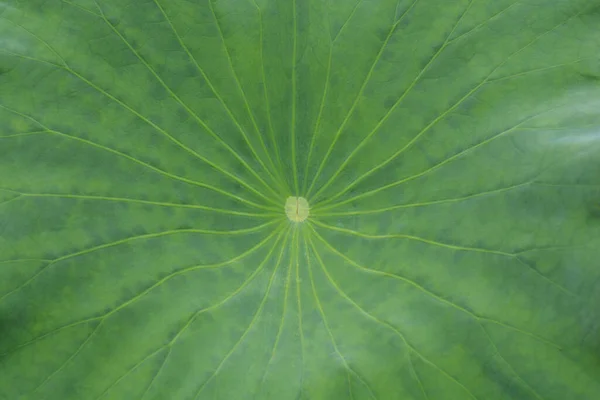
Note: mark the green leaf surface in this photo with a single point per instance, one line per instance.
(448, 151)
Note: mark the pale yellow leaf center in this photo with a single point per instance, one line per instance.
(296, 209)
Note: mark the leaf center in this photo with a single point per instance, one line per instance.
(296, 209)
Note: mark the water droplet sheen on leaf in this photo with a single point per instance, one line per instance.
(296, 208)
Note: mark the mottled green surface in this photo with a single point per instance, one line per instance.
(449, 150)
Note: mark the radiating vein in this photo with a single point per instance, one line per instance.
(199, 120)
(277, 180)
(5, 202)
(430, 293)
(145, 291)
(542, 69)
(510, 367)
(318, 211)
(438, 165)
(157, 373)
(68, 360)
(25, 57)
(452, 108)
(415, 375)
(170, 137)
(294, 95)
(485, 22)
(284, 310)
(300, 328)
(319, 115)
(408, 90)
(339, 32)
(257, 313)
(173, 341)
(131, 239)
(384, 323)
(230, 296)
(411, 348)
(130, 370)
(81, 8)
(16, 135)
(24, 260)
(349, 369)
(146, 165)
(544, 277)
(145, 202)
(358, 97)
(512, 255)
(266, 93)
(411, 237)
(190, 320)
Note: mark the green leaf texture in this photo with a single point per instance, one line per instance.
(449, 152)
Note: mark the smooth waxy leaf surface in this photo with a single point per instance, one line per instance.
(299, 199)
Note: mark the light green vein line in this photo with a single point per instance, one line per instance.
(544, 277)
(68, 361)
(349, 369)
(557, 127)
(294, 94)
(519, 378)
(337, 35)
(561, 247)
(200, 121)
(170, 344)
(325, 91)
(11, 53)
(300, 328)
(67, 68)
(319, 115)
(135, 160)
(435, 366)
(439, 164)
(452, 108)
(411, 237)
(429, 293)
(159, 283)
(16, 135)
(252, 322)
(24, 260)
(317, 210)
(382, 121)
(448, 246)
(385, 324)
(277, 180)
(569, 185)
(165, 233)
(358, 96)
(130, 370)
(5, 202)
(266, 95)
(532, 71)
(521, 331)
(158, 371)
(283, 312)
(131, 239)
(485, 22)
(148, 202)
(415, 375)
(230, 296)
(81, 8)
